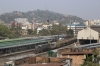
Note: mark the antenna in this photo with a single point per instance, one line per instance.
(45, 7)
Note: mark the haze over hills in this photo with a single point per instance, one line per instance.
(40, 16)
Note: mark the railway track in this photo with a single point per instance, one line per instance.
(21, 58)
(27, 52)
(17, 53)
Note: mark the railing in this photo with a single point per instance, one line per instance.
(89, 45)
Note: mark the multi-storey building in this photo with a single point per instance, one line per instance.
(76, 27)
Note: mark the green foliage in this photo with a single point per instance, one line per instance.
(16, 30)
(30, 31)
(56, 30)
(6, 32)
(44, 32)
(89, 62)
(88, 58)
(70, 31)
(59, 29)
(34, 32)
(3, 30)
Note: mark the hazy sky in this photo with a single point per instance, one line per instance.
(86, 9)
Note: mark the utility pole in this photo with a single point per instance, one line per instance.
(90, 32)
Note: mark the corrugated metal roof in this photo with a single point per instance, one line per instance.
(76, 53)
(20, 43)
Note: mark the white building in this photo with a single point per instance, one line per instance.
(56, 23)
(39, 29)
(89, 35)
(76, 27)
(24, 22)
(92, 22)
(47, 26)
(44, 27)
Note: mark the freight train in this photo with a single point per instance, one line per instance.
(53, 44)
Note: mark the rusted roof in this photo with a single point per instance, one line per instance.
(44, 64)
(76, 53)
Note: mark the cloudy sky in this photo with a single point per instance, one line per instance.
(86, 9)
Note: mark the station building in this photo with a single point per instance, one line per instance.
(76, 27)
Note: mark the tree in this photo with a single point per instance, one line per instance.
(44, 32)
(35, 32)
(30, 31)
(59, 29)
(55, 30)
(16, 30)
(89, 60)
(6, 32)
(70, 31)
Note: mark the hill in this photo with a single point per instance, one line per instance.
(40, 16)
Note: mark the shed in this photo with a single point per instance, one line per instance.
(89, 35)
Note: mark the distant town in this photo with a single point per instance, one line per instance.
(24, 25)
(45, 38)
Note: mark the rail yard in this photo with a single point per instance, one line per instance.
(17, 47)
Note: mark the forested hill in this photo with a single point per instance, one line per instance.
(40, 16)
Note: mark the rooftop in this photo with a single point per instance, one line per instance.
(76, 24)
(76, 53)
(11, 43)
(44, 64)
(96, 28)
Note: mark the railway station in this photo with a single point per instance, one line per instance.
(19, 46)
(8, 47)
(12, 46)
